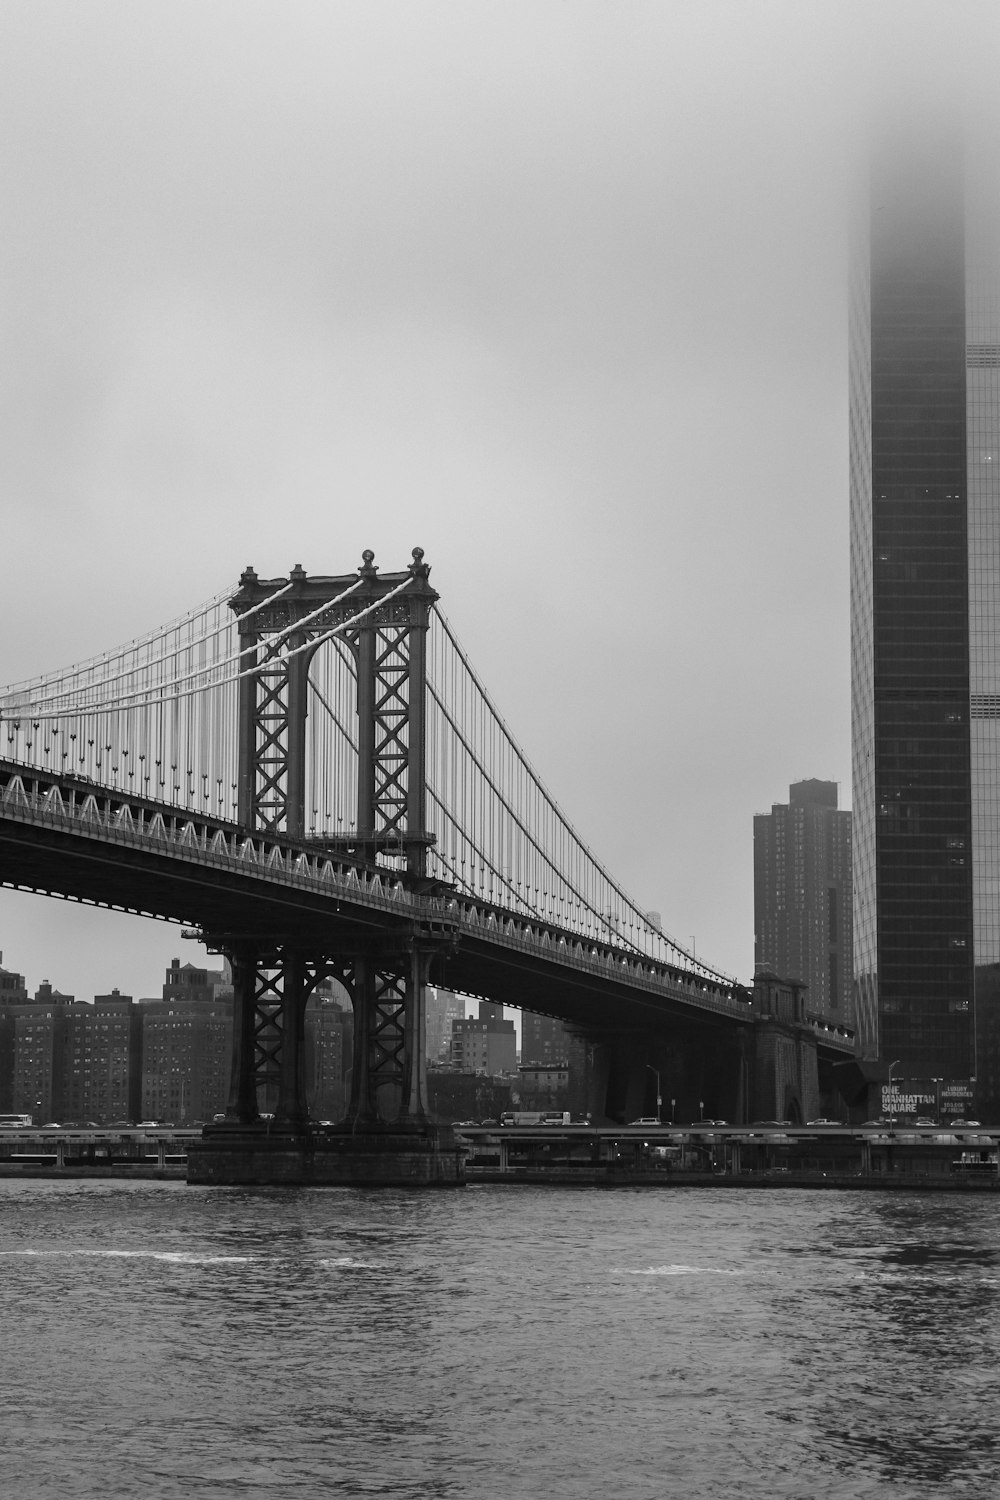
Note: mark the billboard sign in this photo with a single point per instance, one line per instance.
(937, 1098)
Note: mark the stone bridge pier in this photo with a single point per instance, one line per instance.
(696, 1071)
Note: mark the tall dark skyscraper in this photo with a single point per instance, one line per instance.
(925, 604)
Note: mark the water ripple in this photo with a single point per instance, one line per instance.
(172, 1342)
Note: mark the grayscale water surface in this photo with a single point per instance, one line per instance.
(165, 1341)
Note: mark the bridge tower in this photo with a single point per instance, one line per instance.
(382, 621)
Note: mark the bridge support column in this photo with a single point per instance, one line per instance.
(389, 1080)
(415, 1108)
(242, 1105)
(597, 1089)
(361, 1110)
(292, 1111)
(627, 1078)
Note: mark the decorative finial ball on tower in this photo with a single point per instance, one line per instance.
(418, 567)
(368, 568)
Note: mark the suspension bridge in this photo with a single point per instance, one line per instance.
(308, 771)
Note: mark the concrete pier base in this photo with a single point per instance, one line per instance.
(380, 1156)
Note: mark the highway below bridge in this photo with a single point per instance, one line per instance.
(774, 1155)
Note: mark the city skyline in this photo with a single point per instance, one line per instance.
(543, 295)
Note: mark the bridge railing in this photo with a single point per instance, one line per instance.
(513, 929)
(134, 822)
(831, 1031)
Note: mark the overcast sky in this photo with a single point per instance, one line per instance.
(556, 291)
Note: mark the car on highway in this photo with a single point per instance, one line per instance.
(646, 1120)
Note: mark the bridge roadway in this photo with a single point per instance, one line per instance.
(68, 837)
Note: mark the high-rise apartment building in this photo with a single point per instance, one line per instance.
(187, 1039)
(925, 604)
(101, 1061)
(13, 991)
(39, 1053)
(803, 922)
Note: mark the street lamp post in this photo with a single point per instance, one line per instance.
(701, 1109)
(892, 1065)
(659, 1097)
(673, 1106)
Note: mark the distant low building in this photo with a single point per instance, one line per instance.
(555, 1064)
(543, 1086)
(13, 990)
(329, 1035)
(467, 1096)
(484, 1044)
(443, 1008)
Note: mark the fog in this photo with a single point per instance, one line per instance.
(556, 291)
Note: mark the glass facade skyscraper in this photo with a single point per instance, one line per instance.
(925, 605)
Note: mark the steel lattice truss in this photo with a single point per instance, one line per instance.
(392, 713)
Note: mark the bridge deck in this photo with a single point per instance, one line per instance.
(67, 837)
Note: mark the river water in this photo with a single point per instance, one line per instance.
(497, 1343)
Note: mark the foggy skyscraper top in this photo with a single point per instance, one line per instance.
(925, 600)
